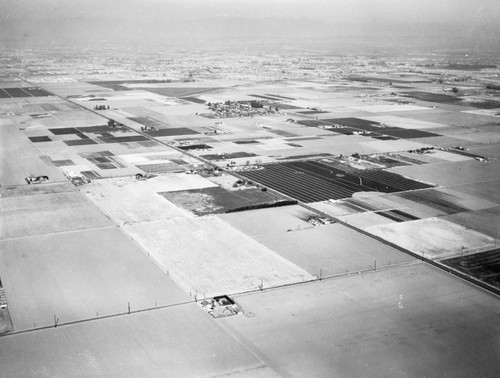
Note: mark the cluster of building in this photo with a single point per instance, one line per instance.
(241, 109)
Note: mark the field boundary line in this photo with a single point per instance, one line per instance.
(86, 320)
(59, 232)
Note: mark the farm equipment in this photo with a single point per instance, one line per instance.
(77, 178)
(144, 176)
(36, 179)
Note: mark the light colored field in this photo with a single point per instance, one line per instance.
(468, 201)
(127, 200)
(405, 123)
(335, 208)
(488, 150)
(47, 188)
(334, 249)
(451, 118)
(207, 256)
(76, 275)
(449, 156)
(377, 201)
(347, 145)
(5, 121)
(486, 221)
(269, 144)
(383, 108)
(278, 220)
(486, 190)
(58, 148)
(364, 220)
(383, 146)
(453, 173)
(19, 158)
(48, 213)
(428, 158)
(81, 117)
(176, 342)
(414, 321)
(433, 237)
(485, 112)
(476, 136)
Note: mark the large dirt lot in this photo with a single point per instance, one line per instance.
(181, 341)
(452, 173)
(221, 259)
(80, 275)
(433, 237)
(409, 321)
(28, 215)
(20, 159)
(127, 200)
(332, 249)
(272, 221)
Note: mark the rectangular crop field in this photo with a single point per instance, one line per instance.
(77, 275)
(207, 256)
(485, 266)
(312, 181)
(48, 213)
(182, 341)
(382, 319)
(333, 249)
(129, 201)
(433, 237)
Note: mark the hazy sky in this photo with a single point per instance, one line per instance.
(164, 21)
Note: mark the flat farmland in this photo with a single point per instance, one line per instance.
(433, 237)
(386, 108)
(487, 190)
(182, 341)
(443, 202)
(404, 122)
(313, 181)
(128, 201)
(272, 221)
(408, 321)
(28, 215)
(219, 200)
(484, 266)
(450, 118)
(485, 221)
(157, 157)
(337, 208)
(333, 249)
(489, 150)
(28, 190)
(80, 275)
(21, 159)
(366, 219)
(453, 173)
(207, 256)
(296, 184)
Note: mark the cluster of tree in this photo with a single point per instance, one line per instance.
(256, 104)
(263, 205)
(113, 123)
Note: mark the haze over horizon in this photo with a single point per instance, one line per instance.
(455, 24)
